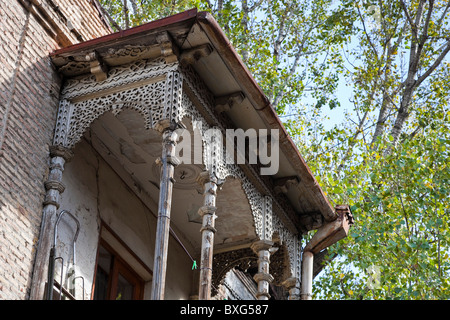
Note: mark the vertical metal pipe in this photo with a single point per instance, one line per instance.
(207, 211)
(307, 275)
(168, 162)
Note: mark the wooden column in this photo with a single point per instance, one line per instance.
(263, 278)
(168, 162)
(207, 211)
(292, 284)
(59, 156)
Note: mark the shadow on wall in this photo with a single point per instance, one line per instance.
(29, 90)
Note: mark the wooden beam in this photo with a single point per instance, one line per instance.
(329, 234)
(191, 56)
(169, 49)
(98, 67)
(225, 103)
(282, 185)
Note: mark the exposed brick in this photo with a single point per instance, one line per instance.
(29, 89)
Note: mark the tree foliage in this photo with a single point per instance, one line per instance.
(388, 157)
(400, 201)
(269, 35)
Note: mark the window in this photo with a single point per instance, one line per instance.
(114, 278)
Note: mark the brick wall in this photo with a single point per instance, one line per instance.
(84, 17)
(29, 90)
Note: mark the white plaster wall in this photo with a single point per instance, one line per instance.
(93, 192)
(80, 198)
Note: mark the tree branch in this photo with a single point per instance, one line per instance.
(424, 36)
(281, 36)
(443, 13)
(125, 14)
(366, 34)
(434, 65)
(293, 67)
(111, 20)
(135, 7)
(416, 46)
(256, 4)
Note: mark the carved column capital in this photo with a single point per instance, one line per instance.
(261, 276)
(290, 282)
(165, 124)
(170, 159)
(206, 210)
(207, 176)
(54, 184)
(261, 245)
(61, 151)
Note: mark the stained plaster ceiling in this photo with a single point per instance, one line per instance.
(131, 150)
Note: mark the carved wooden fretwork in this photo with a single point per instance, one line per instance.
(279, 265)
(203, 96)
(74, 118)
(224, 262)
(119, 78)
(163, 91)
(214, 158)
(128, 51)
(75, 67)
(153, 90)
(267, 223)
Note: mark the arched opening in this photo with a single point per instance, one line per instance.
(112, 181)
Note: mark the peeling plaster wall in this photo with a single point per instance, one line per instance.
(94, 192)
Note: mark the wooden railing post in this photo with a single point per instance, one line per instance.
(263, 278)
(168, 162)
(54, 188)
(207, 211)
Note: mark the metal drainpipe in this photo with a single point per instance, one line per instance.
(307, 275)
(325, 236)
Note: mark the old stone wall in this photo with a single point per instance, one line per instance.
(29, 92)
